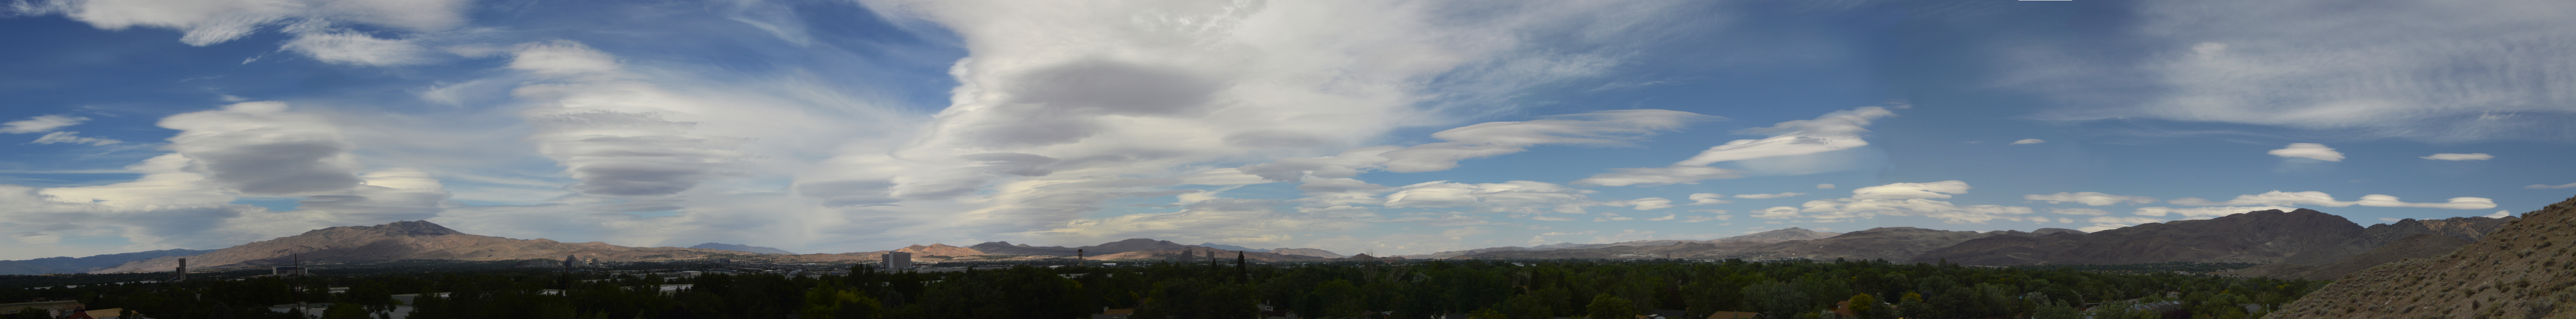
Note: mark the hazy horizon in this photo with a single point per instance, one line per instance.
(1378, 127)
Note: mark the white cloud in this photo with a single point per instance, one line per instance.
(1945, 211)
(623, 137)
(1515, 197)
(1832, 132)
(2391, 219)
(1902, 199)
(2539, 186)
(1670, 216)
(2089, 198)
(2460, 157)
(40, 124)
(1608, 128)
(2454, 203)
(2309, 151)
(1653, 176)
(1768, 196)
(357, 48)
(2063, 220)
(1649, 203)
(72, 137)
(317, 24)
(1719, 215)
(2270, 198)
(2322, 199)
(2079, 211)
(2028, 141)
(2499, 214)
(1344, 165)
(1708, 199)
(2325, 65)
(1781, 212)
(166, 181)
(1941, 189)
(1824, 186)
(563, 58)
(260, 148)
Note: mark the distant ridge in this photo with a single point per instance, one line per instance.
(2300, 236)
(1231, 247)
(69, 265)
(742, 248)
(407, 240)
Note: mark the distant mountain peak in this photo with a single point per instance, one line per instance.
(411, 228)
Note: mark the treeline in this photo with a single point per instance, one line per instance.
(1482, 289)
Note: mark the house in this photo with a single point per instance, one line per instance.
(1734, 315)
(51, 308)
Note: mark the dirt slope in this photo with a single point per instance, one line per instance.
(2416, 246)
(2522, 270)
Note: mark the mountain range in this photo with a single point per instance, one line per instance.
(743, 248)
(2306, 242)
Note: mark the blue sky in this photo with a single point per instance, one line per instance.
(1359, 126)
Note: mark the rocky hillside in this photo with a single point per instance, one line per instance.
(2464, 228)
(2522, 270)
(2416, 246)
(2301, 236)
(407, 240)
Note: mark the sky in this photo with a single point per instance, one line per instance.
(1381, 127)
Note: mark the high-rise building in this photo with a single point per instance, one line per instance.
(183, 270)
(568, 261)
(897, 259)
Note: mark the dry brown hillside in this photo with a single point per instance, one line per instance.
(2416, 246)
(410, 240)
(2522, 270)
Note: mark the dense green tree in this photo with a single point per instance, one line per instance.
(1607, 306)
